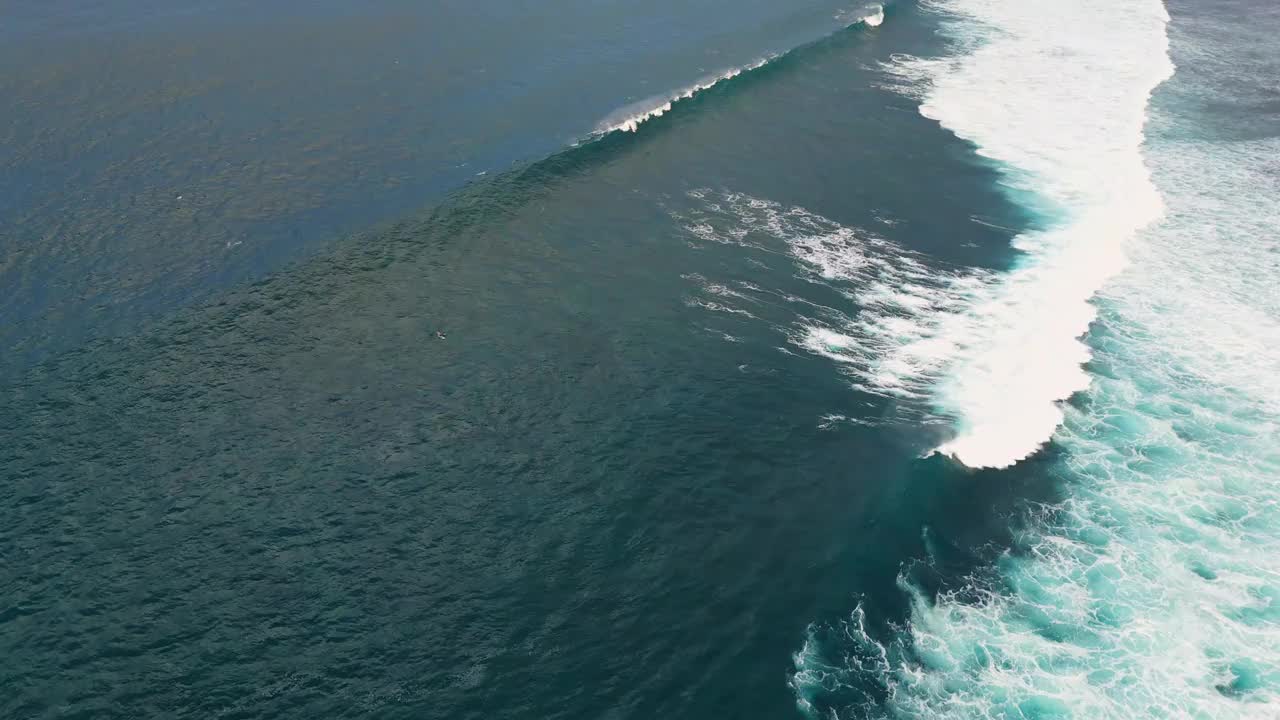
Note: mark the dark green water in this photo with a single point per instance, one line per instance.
(295, 501)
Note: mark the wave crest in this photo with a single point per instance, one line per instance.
(1063, 113)
(631, 117)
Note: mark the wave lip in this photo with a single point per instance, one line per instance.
(1064, 113)
(1152, 589)
(629, 118)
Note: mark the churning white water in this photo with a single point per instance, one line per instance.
(1153, 589)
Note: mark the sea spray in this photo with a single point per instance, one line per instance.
(631, 117)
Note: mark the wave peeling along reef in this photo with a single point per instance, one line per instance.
(629, 118)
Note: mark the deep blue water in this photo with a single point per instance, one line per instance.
(244, 477)
(159, 152)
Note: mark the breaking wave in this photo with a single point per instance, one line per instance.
(893, 345)
(1153, 588)
(1062, 115)
(630, 118)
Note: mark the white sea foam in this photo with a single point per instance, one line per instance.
(1063, 113)
(875, 18)
(870, 16)
(894, 345)
(630, 118)
(1153, 589)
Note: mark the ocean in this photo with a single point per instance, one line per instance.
(590, 359)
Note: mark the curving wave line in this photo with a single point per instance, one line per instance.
(1152, 587)
(902, 296)
(629, 118)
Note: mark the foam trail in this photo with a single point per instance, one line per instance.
(1063, 113)
(629, 119)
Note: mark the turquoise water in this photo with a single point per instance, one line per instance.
(769, 404)
(1149, 588)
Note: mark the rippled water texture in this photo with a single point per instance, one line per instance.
(1151, 588)
(628, 361)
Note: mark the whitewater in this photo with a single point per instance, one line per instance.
(1148, 297)
(1063, 115)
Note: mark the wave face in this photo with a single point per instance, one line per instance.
(1153, 589)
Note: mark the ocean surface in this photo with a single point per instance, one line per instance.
(614, 360)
